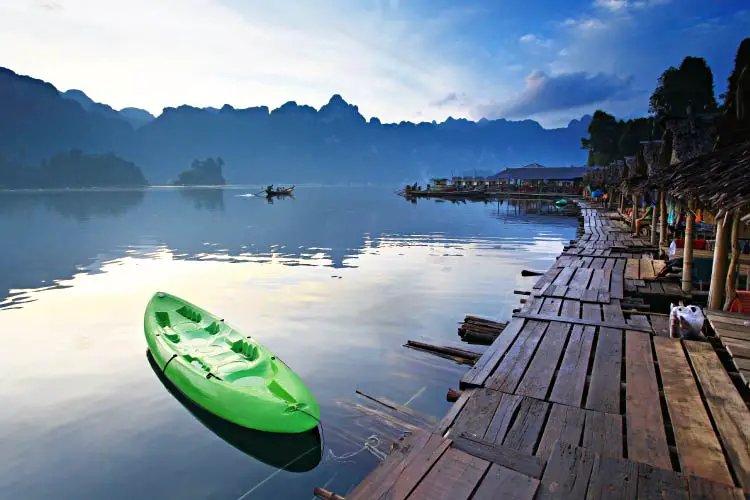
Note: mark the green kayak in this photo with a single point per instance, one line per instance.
(226, 373)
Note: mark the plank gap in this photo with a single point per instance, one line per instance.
(590, 368)
(668, 429)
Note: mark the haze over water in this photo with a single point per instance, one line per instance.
(334, 282)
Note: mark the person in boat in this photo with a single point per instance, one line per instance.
(645, 220)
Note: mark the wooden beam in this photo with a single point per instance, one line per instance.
(719, 270)
(731, 289)
(663, 219)
(586, 322)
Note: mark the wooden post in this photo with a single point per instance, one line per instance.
(719, 269)
(731, 289)
(663, 219)
(654, 218)
(635, 212)
(687, 254)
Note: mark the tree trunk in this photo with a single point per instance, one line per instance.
(731, 288)
(687, 254)
(635, 212)
(654, 218)
(719, 269)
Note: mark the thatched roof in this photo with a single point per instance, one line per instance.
(719, 180)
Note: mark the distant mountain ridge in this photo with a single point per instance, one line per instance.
(292, 143)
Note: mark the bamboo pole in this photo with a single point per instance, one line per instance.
(634, 215)
(654, 215)
(687, 254)
(719, 269)
(731, 288)
(663, 219)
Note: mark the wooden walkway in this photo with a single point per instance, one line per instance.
(578, 399)
(733, 330)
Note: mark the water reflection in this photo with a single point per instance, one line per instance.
(205, 199)
(290, 452)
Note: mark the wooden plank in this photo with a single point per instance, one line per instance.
(729, 330)
(660, 324)
(574, 293)
(571, 377)
(671, 289)
(700, 489)
(736, 348)
(550, 306)
(655, 288)
(602, 433)
(647, 269)
(523, 463)
(379, 481)
(581, 278)
(659, 266)
(512, 367)
(416, 469)
(527, 427)
(590, 296)
(610, 263)
(727, 408)
(604, 389)
(450, 417)
(538, 378)
(617, 289)
(647, 439)
(586, 322)
(613, 312)
(571, 309)
(564, 277)
(503, 418)
(501, 483)
(477, 374)
(612, 479)
(475, 418)
(547, 277)
(600, 280)
(565, 423)
(592, 312)
(632, 269)
(453, 477)
(659, 484)
(698, 448)
(727, 317)
(567, 474)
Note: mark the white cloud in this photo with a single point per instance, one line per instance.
(153, 54)
(534, 40)
(584, 24)
(613, 5)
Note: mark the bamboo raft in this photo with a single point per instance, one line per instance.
(580, 397)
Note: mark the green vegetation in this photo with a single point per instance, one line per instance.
(611, 139)
(692, 84)
(73, 169)
(202, 173)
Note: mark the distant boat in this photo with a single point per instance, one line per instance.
(279, 191)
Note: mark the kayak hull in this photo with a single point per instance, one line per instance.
(225, 372)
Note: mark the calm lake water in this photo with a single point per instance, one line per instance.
(334, 282)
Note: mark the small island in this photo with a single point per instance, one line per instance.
(202, 173)
(73, 169)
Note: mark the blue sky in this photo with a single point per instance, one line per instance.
(396, 59)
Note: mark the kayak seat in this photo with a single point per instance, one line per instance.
(189, 313)
(246, 349)
(162, 319)
(213, 328)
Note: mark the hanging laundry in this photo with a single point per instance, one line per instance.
(699, 216)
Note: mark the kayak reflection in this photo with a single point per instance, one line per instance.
(300, 452)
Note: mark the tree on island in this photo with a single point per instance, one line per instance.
(611, 139)
(202, 173)
(692, 84)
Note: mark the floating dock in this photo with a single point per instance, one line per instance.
(581, 396)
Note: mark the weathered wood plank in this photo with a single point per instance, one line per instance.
(527, 427)
(418, 467)
(547, 277)
(617, 289)
(612, 479)
(647, 269)
(450, 417)
(613, 312)
(604, 389)
(660, 324)
(503, 418)
(476, 416)
(700, 489)
(564, 277)
(632, 269)
(550, 306)
(510, 370)
(538, 378)
(571, 378)
(581, 278)
(567, 474)
(586, 322)
(671, 289)
(523, 463)
(698, 448)
(602, 433)
(501, 483)
(727, 408)
(571, 309)
(647, 439)
(478, 374)
(565, 423)
(660, 484)
(453, 477)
